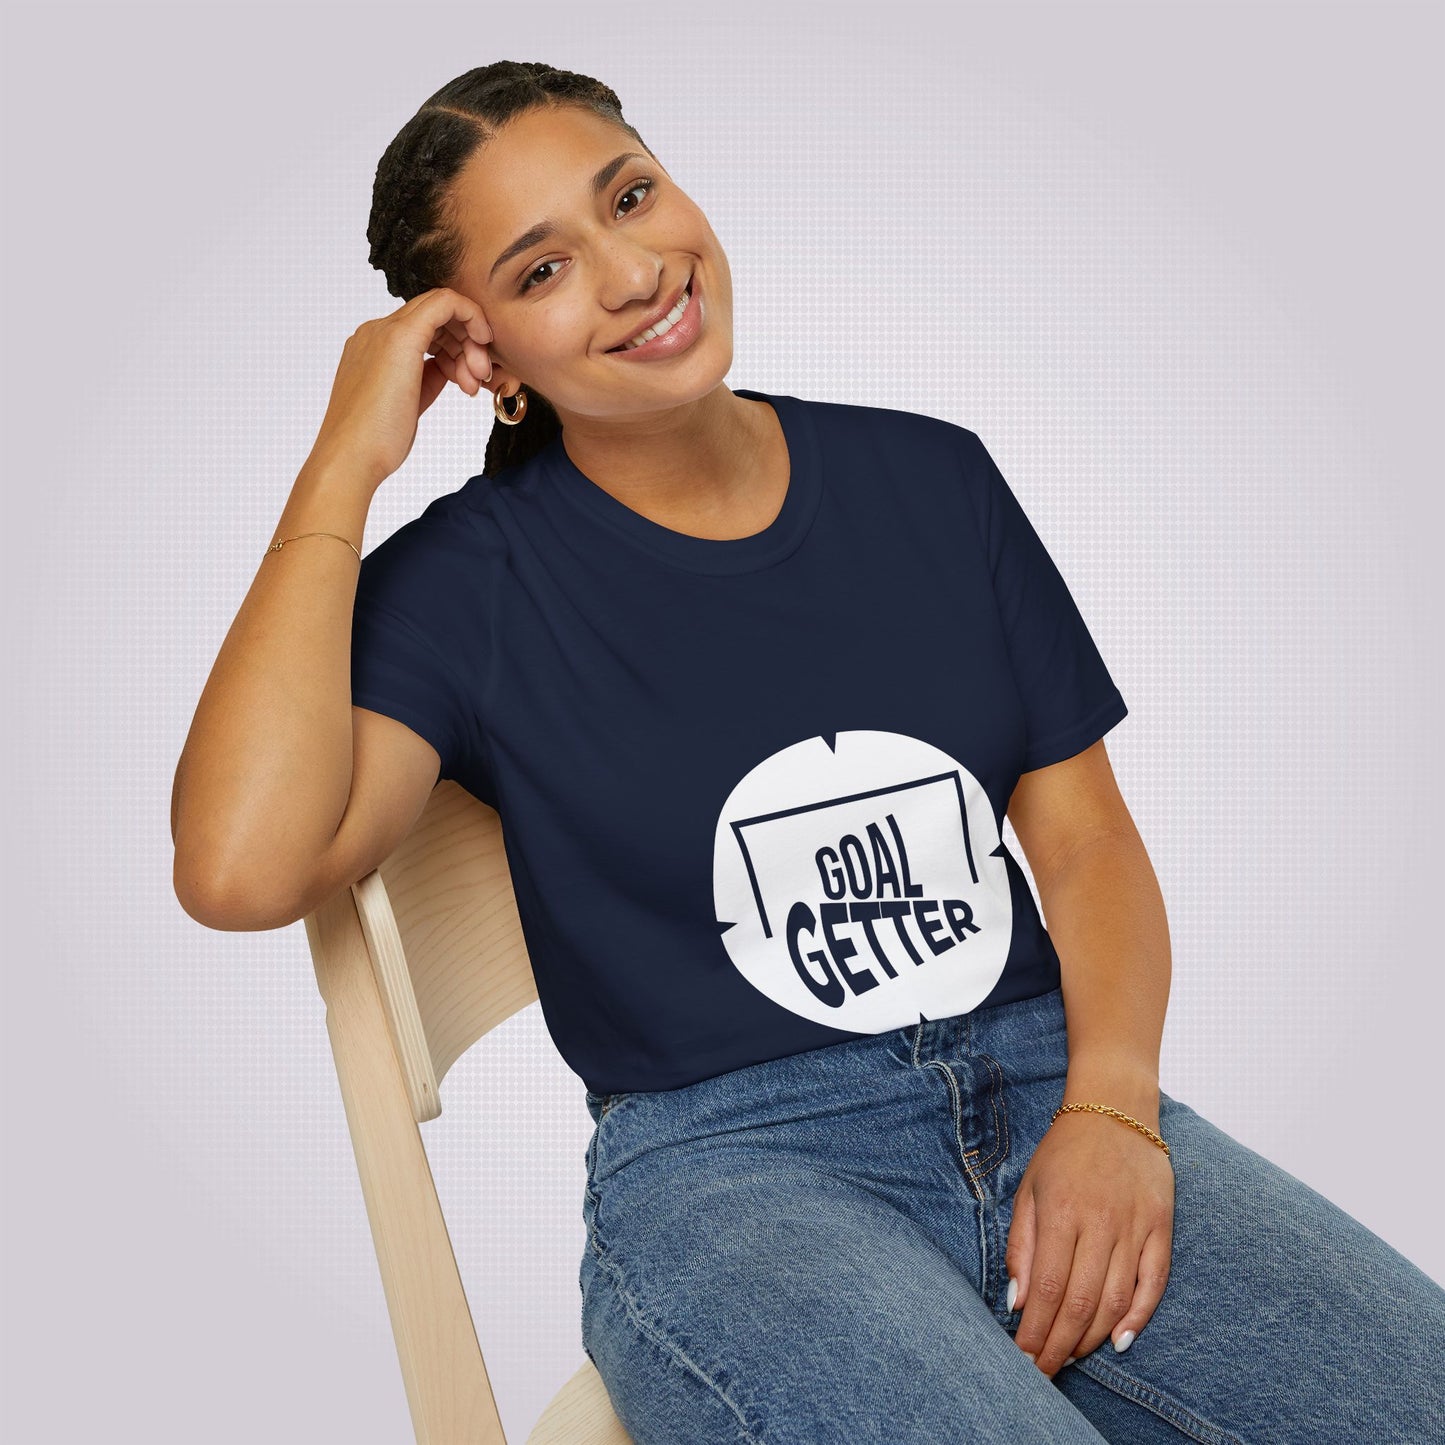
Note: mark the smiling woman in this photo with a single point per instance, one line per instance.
(588, 259)
(752, 682)
(417, 238)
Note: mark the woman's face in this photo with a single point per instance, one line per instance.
(559, 304)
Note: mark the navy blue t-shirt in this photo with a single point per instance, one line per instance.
(751, 789)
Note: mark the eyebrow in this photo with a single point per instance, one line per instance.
(548, 227)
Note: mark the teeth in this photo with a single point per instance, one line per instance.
(663, 326)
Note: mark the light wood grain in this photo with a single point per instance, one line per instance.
(416, 962)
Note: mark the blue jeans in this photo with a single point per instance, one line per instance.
(811, 1249)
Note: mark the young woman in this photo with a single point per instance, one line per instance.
(752, 682)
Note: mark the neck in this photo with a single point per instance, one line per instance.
(694, 459)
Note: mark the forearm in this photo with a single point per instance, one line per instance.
(1105, 913)
(266, 769)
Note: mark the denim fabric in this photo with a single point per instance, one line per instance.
(811, 1249)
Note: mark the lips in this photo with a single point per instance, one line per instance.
(653, 319)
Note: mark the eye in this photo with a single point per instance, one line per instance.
(643, 184)
(528, 280)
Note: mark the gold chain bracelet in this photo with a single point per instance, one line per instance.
(1113, 1114)
(277, 546)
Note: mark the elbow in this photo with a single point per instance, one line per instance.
(230, 905)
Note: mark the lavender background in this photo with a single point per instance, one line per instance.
(1178, 265)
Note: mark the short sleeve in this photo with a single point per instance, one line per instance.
(1070, 700)
(405, 659)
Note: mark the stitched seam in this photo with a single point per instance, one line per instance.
(957, 1111)
(985, 1224)
(917, 1039)
(659, 1337)
(592, 1241)
(1165, 1406)
(1000, 1118)
(992, 1273)
(592, 1195)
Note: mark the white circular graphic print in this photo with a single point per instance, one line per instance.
(860, 883)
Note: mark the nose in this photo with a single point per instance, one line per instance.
(630, 274)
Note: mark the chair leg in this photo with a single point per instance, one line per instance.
(446, 1380)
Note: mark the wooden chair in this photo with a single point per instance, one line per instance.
(416, 962)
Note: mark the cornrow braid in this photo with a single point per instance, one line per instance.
(413, 233)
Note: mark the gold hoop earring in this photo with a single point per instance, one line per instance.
(499, 406)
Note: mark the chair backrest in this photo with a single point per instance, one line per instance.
(417, 961)
(441, 924)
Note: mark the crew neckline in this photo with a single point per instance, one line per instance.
(711, 554)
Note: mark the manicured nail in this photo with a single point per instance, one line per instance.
(1123, 1342)
(1071, 1359)
(1013, 1294)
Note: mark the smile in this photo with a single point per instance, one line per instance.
(674, 333)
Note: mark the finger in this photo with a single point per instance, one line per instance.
(454, 334)
(456, 372)
(1116, 1296)
(1153, 1276)
(443, 340)
(473, 355)
(460, 312)
(1080, 1300)
(474, 321)
(459, 327)
(477, 360)
(1018, 1252)
(433, 382)
(1049, 1271)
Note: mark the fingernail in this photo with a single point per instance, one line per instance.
(1032, 1359)
(1013, 1293)
(1071, 1359)
(1123, 1342)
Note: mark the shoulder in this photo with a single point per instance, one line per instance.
(933, 458)
(912, 434)
(437, 550)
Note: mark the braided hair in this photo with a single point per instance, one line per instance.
(415, 241)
